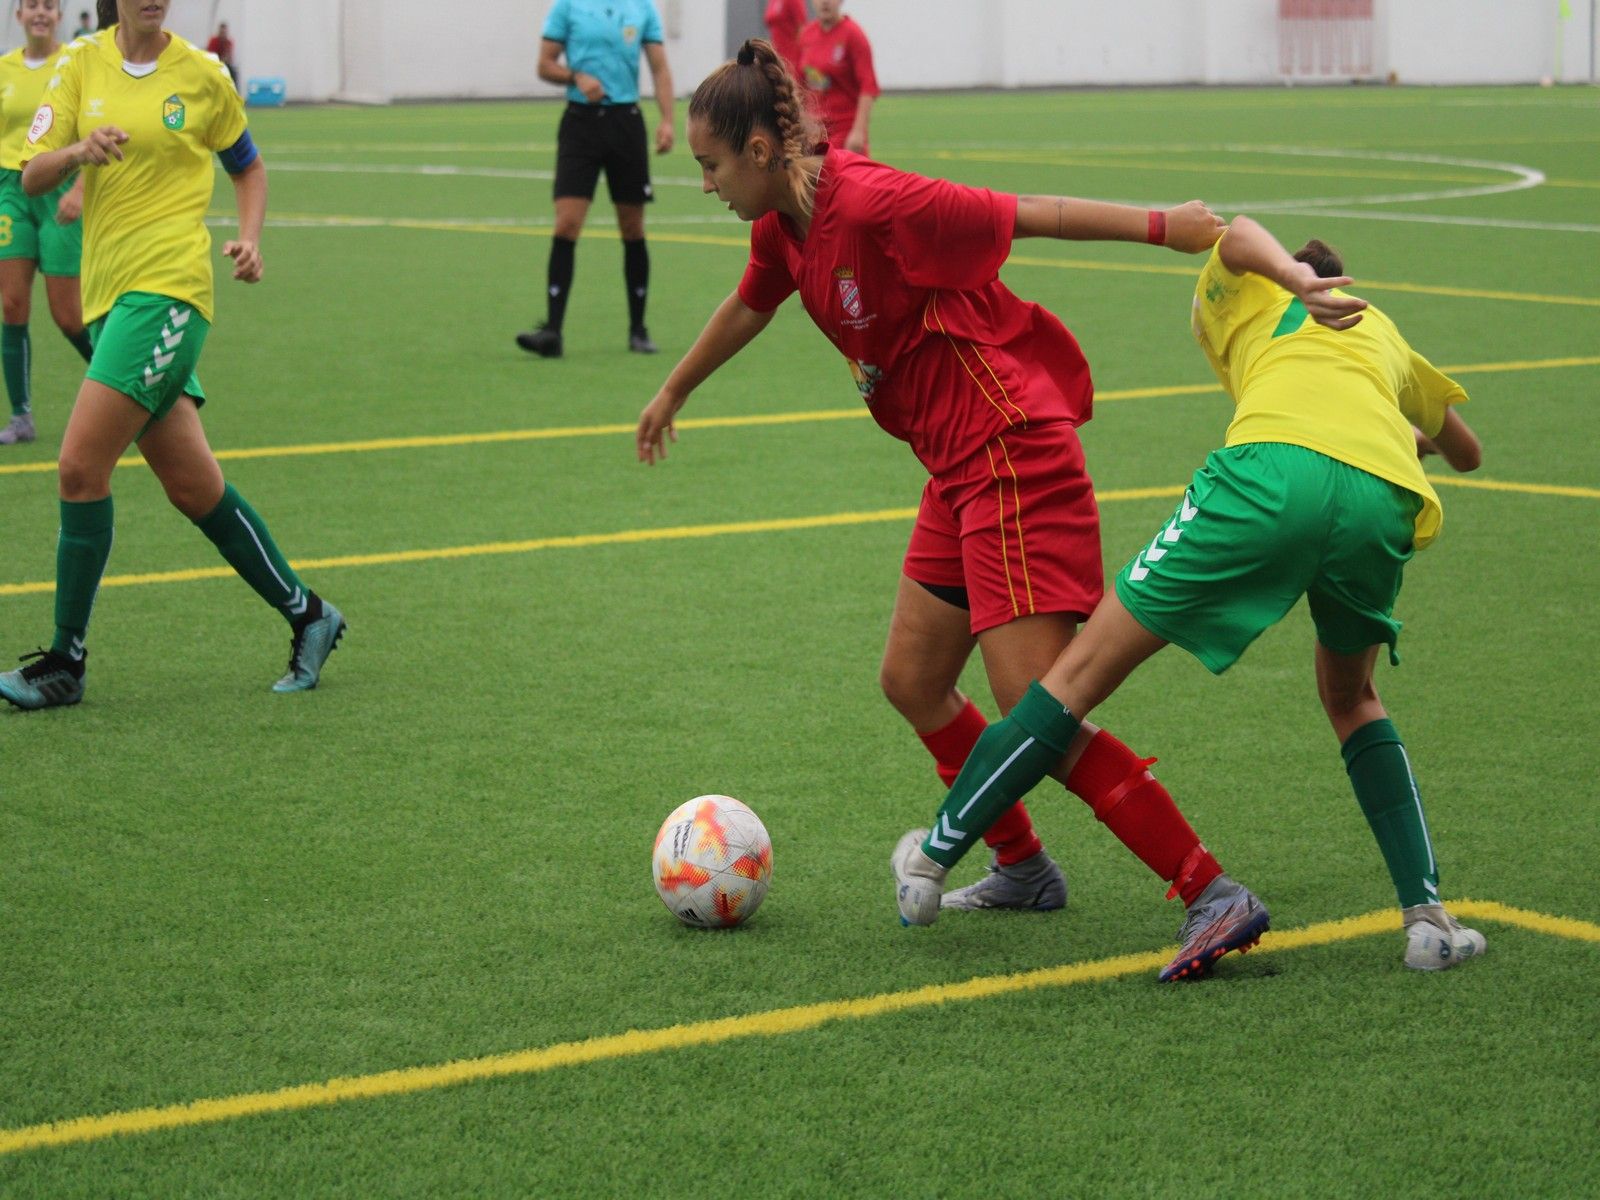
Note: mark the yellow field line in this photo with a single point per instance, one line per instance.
(1361, 285)
(1021, 260)
(633, 537)
(773, 1023)
(1530, 489)
(854, 412)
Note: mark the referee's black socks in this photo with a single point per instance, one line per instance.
(562, 252)
(636, 270)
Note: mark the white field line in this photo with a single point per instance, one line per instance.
(1345, 207)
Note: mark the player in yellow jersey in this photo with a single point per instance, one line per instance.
(141, 111)
(37, 233)
(1317, 492)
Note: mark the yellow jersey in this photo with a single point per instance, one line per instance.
(1351, 394)
(21, 84)
(143, 217)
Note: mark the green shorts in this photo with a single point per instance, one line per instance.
(1260, 526)
(29, 229)
(147, 347)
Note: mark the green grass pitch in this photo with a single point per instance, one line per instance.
(208, 891)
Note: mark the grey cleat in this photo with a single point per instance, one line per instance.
(18, 429)
(312, 644)
(1034, 883)
(1436, 941)
(1226, 916)
(51, 680)
(918, 880)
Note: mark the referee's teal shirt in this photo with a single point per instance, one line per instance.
(603, 38)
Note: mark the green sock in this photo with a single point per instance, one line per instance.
(244, 540)
(16, 354)
(81, 553)
(1380, 772)
(81, 343)
(1009, 759)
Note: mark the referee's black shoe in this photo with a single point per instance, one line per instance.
(639, 341)
(543, 341)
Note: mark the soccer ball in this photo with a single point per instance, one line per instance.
(712, 862)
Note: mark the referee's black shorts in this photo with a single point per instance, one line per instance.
(609, 136)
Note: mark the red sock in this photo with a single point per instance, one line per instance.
(1011, 837)
(1116, 783)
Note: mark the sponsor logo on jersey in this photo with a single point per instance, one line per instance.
(173, 113)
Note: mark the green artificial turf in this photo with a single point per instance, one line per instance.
(442, 852)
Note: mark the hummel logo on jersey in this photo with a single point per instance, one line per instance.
(97, 108)
(1163, 541)
(173, 113)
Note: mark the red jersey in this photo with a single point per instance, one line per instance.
(785, 19)
(837, 66)
(902, 273)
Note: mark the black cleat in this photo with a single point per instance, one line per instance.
(639, 342)
(543, 341)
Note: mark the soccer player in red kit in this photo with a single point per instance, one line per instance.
(785, 19)
(836, 64)
(901, 273)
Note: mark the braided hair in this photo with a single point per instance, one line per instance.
(756, 93)
(105, 13)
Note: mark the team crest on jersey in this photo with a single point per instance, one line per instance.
(629, 33)
(173, 113)
(849, 293)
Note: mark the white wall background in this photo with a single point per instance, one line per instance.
(377, 50)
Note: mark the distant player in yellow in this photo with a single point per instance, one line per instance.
(142, 112)
(40, 233)
(1318, 492)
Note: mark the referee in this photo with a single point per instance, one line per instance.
(602, 128)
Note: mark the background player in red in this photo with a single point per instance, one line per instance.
(785, 19)
(901, 273)
(836, 64)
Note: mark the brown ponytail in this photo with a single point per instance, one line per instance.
(1324, 259)
(105, 13)
(755, 92)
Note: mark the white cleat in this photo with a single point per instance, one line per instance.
(1436, 941)
(918, 880)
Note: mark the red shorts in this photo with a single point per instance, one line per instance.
(1016, 525)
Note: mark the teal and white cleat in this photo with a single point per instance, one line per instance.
(312, 644)
(50, 681)
(918, 880)
(17, 430)
(1035, 884)
(1436, 941)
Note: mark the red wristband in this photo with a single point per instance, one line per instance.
(1157, 235)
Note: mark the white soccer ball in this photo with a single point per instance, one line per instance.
(712, 862)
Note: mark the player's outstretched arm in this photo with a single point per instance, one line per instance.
(1190, 227)
(1249, 248)
(732, 327)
